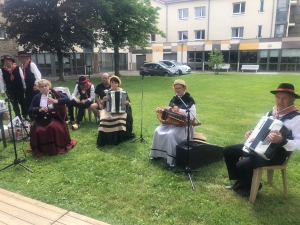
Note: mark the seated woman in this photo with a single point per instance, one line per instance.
(167, 136)
(115, 126)
(49, 134)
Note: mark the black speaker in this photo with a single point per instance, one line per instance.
(200, 154)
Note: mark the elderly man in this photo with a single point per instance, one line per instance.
(99, 94)
(285, 111)
(31, 75)
(85, 90)
(12, 77)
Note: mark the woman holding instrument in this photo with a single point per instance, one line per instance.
(167, 136)
(115, 127)
(49, 134)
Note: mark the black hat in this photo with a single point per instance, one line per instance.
(285, 87)
(82, 79)
(23, 54)
(7, 57)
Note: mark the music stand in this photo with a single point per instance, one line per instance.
(141, 133)
(187, 170)
(17, 161)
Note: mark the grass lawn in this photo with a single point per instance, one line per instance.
(120, 185)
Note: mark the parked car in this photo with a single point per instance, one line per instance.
(182, 69)
(158, 68)
(197, 63)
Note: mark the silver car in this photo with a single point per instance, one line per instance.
(182, 69)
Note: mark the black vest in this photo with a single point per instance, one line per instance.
(30, 78)
(83, 95)
(15, 84)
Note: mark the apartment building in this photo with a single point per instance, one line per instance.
(260, 32)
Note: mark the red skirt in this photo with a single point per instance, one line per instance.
(51, 139)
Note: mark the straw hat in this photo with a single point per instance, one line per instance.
(182, 82)
(114, 77)
(199, 137)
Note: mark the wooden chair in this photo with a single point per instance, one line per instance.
(257, 174)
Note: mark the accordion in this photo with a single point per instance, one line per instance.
(258, 140)
(115, 103)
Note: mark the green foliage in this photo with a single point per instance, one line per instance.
(128, 23)
(215, 60)
(47, 26)
(120, 185)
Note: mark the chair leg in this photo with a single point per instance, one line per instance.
(90, 114)
(256, 178)
(270, 174)
(284, 179)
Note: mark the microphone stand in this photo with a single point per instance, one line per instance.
(17, 160)
(141, 134)
(187, 170)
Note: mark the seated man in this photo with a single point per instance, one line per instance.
(242, 170)
(99, 94)
(85, 89)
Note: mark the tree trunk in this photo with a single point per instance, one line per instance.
(60, 64)
(117, 61)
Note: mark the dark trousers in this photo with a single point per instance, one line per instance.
(242, 169)
(81, 107)
(17, 98)
(29, 95)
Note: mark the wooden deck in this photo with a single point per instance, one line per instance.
(18, 210)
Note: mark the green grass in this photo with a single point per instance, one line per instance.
(120, 185)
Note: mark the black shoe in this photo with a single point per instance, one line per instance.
(246, 192)
(170, 168)
(237, 186)
(156, 158)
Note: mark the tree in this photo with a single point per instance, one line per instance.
(130, 23)
(216, 60)
(52, 25)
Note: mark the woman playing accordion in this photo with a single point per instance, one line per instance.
(168, 136)
(49, 134)
(116, 117)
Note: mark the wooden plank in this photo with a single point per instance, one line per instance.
(32, 201)
(85, 218)
(23, 215)
(40, 211)
(10, 220)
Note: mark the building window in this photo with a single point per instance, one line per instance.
(279, 30)
(183, 14)
(2, 32)
(239, 8)
(261, 7)
(259, 31)
(200, 12)
(199, 34)
(237, 32)
(152, 37)
(182, 35)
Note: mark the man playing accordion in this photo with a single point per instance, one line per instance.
(242, 170)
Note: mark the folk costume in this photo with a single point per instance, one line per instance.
(84, 93)
(13, 79)
(242, 170)
(115, 128)
(31, 75)
(167, 137)
(50, 134)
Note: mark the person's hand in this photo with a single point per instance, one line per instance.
(83, 101)
(247, 135)
(52, 101)
(175, 109)
(3, 95)
(35, 88)
(77, 100)
(157, 109)
(105, 98)
(43, 109)
(275, 137)
(126, 102)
